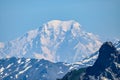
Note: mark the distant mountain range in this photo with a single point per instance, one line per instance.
(106, 67)
(54, 41)
(34, 69)
(31, 69)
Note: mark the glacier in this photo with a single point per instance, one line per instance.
(56, 41)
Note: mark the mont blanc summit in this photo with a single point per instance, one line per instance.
(54, 41)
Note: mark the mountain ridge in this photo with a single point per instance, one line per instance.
(31, 69)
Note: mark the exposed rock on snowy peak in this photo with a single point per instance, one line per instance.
(54, 41)
(117, 45)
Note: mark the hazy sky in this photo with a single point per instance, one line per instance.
(101, 17)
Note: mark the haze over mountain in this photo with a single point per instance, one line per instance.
(54, 41)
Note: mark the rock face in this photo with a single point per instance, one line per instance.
(107, 66)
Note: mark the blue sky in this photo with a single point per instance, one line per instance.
(19, 16)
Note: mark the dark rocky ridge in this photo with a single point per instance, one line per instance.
(107, 66)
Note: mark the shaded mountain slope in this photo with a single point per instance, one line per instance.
(106, 67)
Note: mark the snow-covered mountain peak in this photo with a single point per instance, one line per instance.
(54, 41)
(63, 25)
(59, 22)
